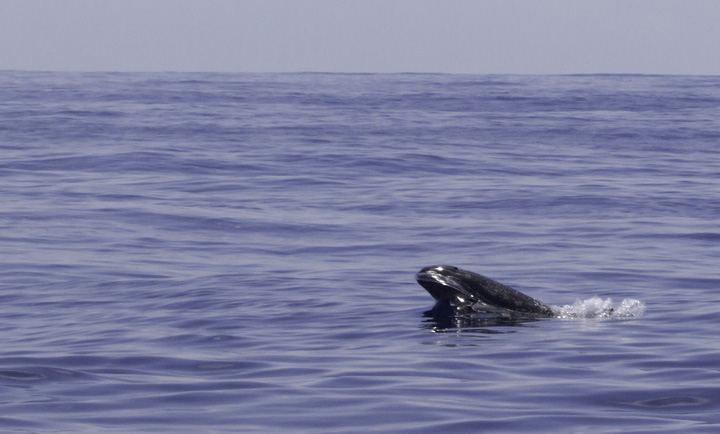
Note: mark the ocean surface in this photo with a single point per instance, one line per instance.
(223, 253)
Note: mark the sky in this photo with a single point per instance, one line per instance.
(445, 36)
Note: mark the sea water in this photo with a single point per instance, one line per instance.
(229, 253)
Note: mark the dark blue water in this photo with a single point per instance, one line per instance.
(235, 253)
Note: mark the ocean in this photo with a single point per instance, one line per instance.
(223, 253)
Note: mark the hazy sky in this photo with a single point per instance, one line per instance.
(456, 36)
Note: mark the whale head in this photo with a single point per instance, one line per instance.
(447, 283)
(460, 288)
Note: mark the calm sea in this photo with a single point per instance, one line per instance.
(227, 253)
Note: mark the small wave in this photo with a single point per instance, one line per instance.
(596, 307)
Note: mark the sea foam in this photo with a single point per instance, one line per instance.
(597, 307)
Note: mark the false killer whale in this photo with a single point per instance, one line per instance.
(468, 291)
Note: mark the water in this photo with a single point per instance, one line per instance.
(235, 253)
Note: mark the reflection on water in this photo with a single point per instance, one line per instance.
(446, 318)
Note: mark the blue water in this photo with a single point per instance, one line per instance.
(230, 253)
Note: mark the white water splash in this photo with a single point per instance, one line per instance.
(596, 307)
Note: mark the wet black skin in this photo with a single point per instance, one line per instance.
(464, 289)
